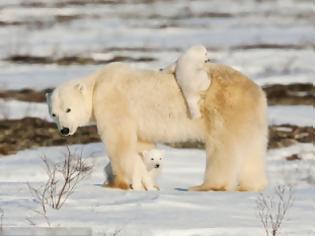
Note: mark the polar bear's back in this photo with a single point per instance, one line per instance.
(235, 98)
(154, 100)
(158, 106)
(147, 90)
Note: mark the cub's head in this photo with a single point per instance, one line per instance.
(153, 159)
(196, 54)
(69, 106)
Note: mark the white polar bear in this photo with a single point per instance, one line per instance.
(152, 160)
(134, 108)
(192, 77)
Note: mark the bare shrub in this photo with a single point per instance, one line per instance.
(63, 179)
(273, 208)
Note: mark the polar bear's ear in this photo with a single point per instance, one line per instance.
(80, 86)
(143, 154)
(48, 97)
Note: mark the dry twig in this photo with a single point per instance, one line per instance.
(63, 179)
(272, 209)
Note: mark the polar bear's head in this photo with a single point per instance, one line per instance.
(196, 55)
(70, 106)
(153, 159)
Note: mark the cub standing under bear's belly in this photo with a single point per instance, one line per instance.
(135, 108)
(152, 160)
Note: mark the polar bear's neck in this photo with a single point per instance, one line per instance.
(89, 82)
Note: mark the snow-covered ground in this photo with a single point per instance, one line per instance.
(270, 41)
(171, 211)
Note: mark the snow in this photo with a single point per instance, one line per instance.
(296, 115)
(159, 30)
(13, 109)
(171, 211)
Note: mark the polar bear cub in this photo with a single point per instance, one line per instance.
(152, 160)
(191, 76)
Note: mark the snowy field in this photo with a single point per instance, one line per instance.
(270, 41)
(171, 211)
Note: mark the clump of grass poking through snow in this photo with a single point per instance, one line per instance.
(273, 208)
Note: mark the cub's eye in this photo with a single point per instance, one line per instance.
(53, 115)
(68, 110)
(152, 159)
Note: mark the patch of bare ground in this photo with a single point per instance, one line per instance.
(274, 46)
(291, 94)
(72, 60)
(38, 133)
(41, 133)
(10, 23)
(277, 94)
(28, 95)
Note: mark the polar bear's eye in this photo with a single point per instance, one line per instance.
(152, 159)
(53, 115)
(68, 110)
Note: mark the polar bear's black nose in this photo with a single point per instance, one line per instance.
(157, 165)
(64, 131)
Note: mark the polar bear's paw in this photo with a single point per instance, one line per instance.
(117, 184)
(205, 187)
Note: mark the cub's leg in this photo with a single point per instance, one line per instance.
(192, 102)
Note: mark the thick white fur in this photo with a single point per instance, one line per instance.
(134, 108)
(192, 77)
(152, 160)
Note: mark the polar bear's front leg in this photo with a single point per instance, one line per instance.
(141, 178)
(118, 132)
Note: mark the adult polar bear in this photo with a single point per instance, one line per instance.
(135, 108)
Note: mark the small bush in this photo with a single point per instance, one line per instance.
(63, 179)
(272, 209)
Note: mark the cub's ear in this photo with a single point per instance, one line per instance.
(80, 86)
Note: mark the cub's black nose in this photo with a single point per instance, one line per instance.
(64, 131)
(157, 165)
